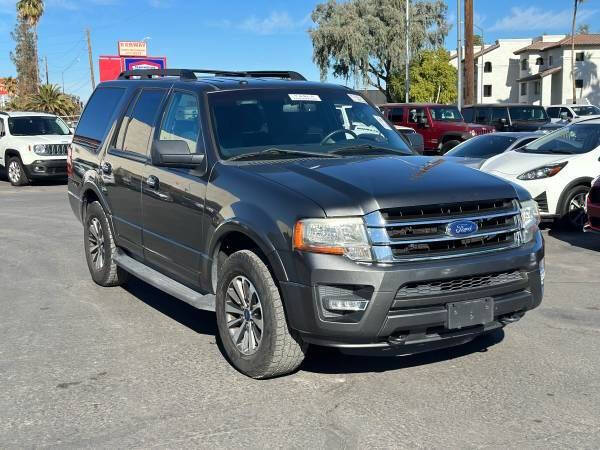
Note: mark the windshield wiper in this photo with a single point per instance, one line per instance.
(280, 152)
(366, 149)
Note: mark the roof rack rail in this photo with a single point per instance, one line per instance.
(190, 74)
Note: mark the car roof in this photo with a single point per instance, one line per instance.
(413, 104)
(26, 114)
(572, 105)
(497, 105)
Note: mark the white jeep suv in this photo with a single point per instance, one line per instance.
(556, 169)
(33, 146)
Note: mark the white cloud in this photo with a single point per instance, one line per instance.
(275, 22)
(534, 18)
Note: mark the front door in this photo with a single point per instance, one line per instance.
(173, 198)
(418, 119)
(123, 166)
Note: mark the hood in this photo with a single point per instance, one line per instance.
(533, 125)
(359, 185)
(43, 139)
(477, 126)
(516, 162)
(474, 163)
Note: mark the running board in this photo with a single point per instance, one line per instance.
(164, 283)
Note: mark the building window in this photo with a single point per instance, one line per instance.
(524, 64)
(550, 60)
(487, 67)
(536, 88)
(579, 56)
(487, 90)
(523, 88)
(539, 61)
(579, 84)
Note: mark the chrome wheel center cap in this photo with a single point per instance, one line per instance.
(247, 316)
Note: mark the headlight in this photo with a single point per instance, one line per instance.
(40, 149)
(346, 236)
(542, 172)
(530, 220)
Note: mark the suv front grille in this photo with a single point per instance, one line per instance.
(56, 149)
(455, 285)
(416, 233)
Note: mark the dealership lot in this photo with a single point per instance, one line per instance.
(85, 366)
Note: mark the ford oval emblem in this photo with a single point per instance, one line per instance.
(461, 228)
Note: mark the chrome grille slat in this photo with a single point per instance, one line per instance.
(56, 149)
(422, 239)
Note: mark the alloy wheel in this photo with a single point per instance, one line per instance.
(14, 172)
(243, 312)
(96, 243)
(577, 215)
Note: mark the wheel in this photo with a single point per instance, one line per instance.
(16, 173)
(573, 215)
(449, 145)
(100, 248)
(251, 319)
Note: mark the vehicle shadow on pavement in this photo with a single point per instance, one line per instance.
(589, 241)
(202, 322)
(331, 361)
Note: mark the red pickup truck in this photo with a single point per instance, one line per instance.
(442, 126)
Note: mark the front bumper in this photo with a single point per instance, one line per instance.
(593, 212)
(409, 324)
(51, 168)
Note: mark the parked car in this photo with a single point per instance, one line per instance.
(474, 152)
(593, 208)
(415, 139)
(556, 169)
(561, 113)
(510, 117)
(33, 146)
(246, 194)
(442, 126)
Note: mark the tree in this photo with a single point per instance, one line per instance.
(584, 28)
(51, 100)
(23, 57)
(366, 38)
(478, 40)
(432, 79)
(30, 12)
(575, 5)
(11, 85)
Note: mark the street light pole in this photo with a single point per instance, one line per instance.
(406, 63)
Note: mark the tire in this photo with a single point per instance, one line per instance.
(573, 215)
(449, 145)
(15, 172)
(97, 234)
(258, 353)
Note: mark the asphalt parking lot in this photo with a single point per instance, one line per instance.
(84, 366)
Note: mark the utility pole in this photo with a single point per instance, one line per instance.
(459, 52)
(481, 65)
(46, 62)
(406, 64)
(89, 44)
(469, 53)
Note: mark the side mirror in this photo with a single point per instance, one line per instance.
(502, 121)
(564, 115)
(174, 153)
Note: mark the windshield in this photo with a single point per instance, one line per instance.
(446, 114)
(570, 140)
(321, 122)
(37, 125)
(527, 113)
(482, 146)
(585, 110)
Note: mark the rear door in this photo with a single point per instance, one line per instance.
(173, 197)
(123, 166)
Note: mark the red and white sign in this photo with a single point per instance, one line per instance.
(133, 48)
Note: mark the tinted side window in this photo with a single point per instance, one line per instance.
(416, 114)
(468, 114)
(482, 115)
(141, 120)
(395, 114)
(553, 112)
(567, 112)
(181, 121)
(499, 113)
(95, 121)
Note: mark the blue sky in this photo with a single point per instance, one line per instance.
(234, 34)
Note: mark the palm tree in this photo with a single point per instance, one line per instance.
(575, 5)
(11, 86)
(51, 100)
(31, 11)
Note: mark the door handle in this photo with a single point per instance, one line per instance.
(106, 167)
(152, 182)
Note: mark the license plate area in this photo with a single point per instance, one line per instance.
(470, 313)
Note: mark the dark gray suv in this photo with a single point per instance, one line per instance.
(249, 194)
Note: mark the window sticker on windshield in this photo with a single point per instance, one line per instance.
(382, 122)
(357, 98)
(305, 97)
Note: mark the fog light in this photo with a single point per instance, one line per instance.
(344, 300)
(333, 304)
(39, 169)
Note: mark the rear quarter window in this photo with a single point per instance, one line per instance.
(96, 118)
